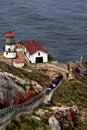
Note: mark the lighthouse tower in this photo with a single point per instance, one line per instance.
(10, 48)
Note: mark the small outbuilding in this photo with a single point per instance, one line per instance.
(35, 52)
(18, 62)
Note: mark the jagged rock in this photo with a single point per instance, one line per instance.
(1, 96)
(36, 86)
(16, 79)
(27, 87)
(71, 64)
(8, 87)
(54, 123)
(66, 116)
(79, 68)
(13, 89)
(46, 111)
(36, 118)
(40, 112)
(8, 74)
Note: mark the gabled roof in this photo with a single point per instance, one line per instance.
(33, 46)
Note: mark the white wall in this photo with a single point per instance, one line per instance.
(12, 47)
(18, 65)
(42, 54)
(9, 54)
(32, 57)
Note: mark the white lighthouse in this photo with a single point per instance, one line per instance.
(10, 48)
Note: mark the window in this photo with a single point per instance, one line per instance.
(6, 53)
(38, 53)
(9, 49)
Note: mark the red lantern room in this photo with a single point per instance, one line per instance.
(10, 35)
(10, 38)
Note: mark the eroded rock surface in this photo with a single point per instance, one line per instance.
(14, 90)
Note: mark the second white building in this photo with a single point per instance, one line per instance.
(35, 52)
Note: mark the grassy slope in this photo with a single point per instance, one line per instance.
(74, 93)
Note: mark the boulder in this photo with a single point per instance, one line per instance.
(54, 123)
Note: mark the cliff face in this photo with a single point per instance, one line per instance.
(18, 85)
(8, 86)
(14, 90)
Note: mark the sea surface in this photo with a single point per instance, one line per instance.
(59, 25)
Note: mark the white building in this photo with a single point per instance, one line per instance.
(35, 52)
(18, 62)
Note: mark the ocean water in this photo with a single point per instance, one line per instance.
(59, 25)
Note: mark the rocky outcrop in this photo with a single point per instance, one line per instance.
(64, 118)
(77, 69)
(8, 87)
(54, 123)
(59, 117)
(14, 90)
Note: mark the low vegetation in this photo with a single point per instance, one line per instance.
(74, 93)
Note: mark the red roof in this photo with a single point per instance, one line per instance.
(19, 60)
(33, 46)
(19, 46)
(10, 34)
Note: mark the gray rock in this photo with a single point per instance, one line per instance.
(54, 124)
